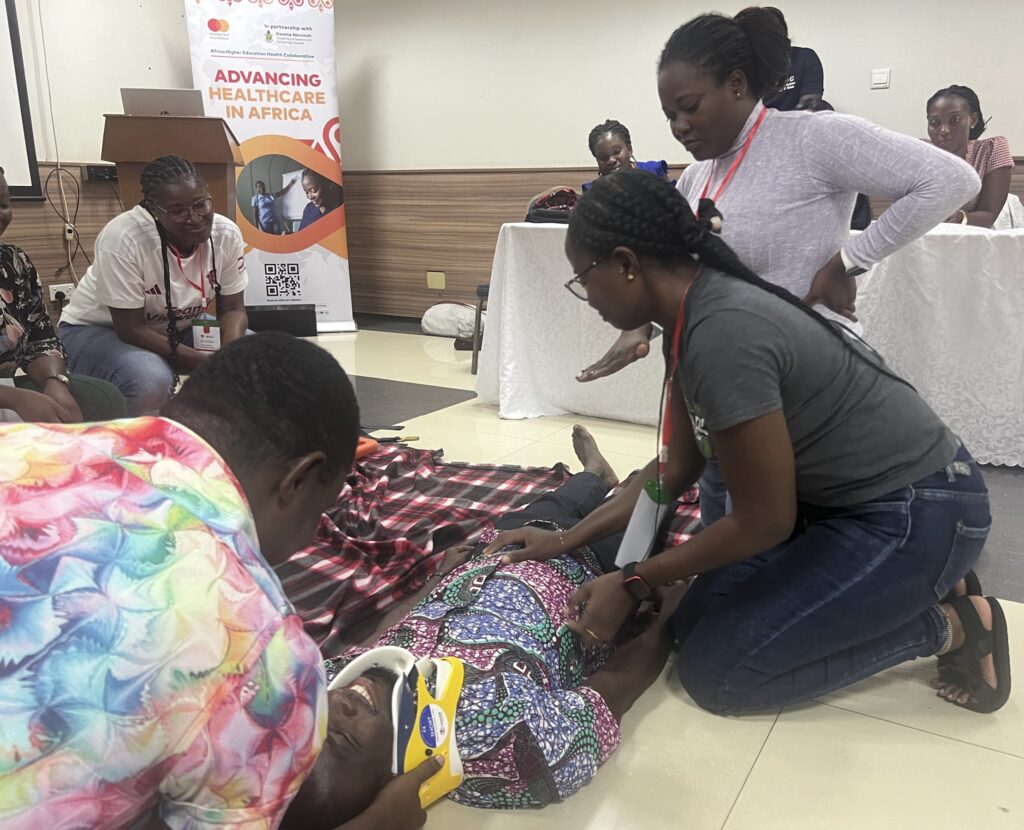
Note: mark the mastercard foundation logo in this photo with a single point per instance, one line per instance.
(216, 25)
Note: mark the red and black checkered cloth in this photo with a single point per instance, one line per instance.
(400, 510)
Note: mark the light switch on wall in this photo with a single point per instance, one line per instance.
(880, 78)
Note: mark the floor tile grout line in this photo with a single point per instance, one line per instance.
(922, 731)
(746, 778)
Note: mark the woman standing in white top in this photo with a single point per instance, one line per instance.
(140, 314)
(785, 183)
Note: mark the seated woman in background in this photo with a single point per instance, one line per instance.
(955, 124)
(27, 341)
(323, 194)
(157, 269)
(611, 147)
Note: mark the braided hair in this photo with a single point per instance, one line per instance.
(754, 42)
(971, 97)
(645, 213)
(610, 126)
(155, 176)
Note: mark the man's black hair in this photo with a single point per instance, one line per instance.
(268, 396)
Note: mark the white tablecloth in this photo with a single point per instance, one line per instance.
(539, 336)
(947, 312)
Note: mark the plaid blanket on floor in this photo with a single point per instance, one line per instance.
(400, 510)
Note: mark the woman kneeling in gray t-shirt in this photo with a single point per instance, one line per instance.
(856, 513)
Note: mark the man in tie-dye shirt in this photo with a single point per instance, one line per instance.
(150, 664)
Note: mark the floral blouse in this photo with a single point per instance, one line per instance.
(25, 328)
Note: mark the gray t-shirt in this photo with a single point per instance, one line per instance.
(857, 434)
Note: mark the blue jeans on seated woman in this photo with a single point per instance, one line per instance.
(853, 592)
(714, 497)
(145, 379)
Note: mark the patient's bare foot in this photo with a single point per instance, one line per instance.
(590, 456)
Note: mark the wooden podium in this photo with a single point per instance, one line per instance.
(133, 141)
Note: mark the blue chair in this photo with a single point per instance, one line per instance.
(478, 329)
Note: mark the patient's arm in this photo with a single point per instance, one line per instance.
(631, 670)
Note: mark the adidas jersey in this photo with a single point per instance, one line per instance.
(128, 272)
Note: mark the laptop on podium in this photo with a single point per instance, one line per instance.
(162, 101)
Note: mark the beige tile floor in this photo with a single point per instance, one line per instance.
(882, 754)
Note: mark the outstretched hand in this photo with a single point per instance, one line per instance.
(630, 347)
(533, 543)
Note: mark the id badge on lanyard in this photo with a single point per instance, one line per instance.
(206, 333)
(654, 504)
(644, 525)
(205, 327)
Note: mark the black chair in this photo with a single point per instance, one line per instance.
(478, 329)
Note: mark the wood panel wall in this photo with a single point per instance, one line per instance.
(400, 225)
(403, 224)
(38, 229)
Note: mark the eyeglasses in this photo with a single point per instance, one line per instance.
(180, 215)
(577, 286)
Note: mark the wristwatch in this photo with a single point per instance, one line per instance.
(852, 270)
(57, 376)
(636, 584)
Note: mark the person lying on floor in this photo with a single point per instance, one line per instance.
(538, 712)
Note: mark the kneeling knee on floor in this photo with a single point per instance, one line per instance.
(704, 679)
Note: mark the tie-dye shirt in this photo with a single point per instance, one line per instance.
(148, 656)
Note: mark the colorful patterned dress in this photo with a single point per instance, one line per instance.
(25, 328)
(148, 656)
(530, 732)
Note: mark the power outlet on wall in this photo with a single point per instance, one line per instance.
(435, 280)
(65, 288)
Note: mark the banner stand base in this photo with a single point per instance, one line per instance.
(335, 328)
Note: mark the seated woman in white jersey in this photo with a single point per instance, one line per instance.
(141, 313)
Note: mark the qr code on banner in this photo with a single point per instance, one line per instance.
(282, 279)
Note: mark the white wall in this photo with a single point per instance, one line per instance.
(519, 83)
(95, 47)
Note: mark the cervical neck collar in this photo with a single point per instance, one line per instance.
(423, 724)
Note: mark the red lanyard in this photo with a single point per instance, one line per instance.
(735, 165)
(666, 420)
(201, 288)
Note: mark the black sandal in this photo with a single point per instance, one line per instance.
(962, 667)
(973, 587)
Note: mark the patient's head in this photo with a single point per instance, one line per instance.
(611, 147)
(355, 762)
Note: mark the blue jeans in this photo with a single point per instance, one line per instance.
(714, 497)
(853, 592)
(145, 379)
